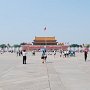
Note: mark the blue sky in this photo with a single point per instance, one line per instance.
(67, 20)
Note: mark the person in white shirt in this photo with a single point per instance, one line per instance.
(65, 54)
(24, 56)
(54, 53)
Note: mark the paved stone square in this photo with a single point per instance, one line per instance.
(57, 73)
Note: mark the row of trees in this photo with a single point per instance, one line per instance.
(76, 45)
(8, 45)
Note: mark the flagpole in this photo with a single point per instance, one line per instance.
(45, 41)
(45, 38)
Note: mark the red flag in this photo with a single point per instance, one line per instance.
(45, 29)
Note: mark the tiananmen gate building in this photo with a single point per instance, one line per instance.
(49, 43)
(44, 41)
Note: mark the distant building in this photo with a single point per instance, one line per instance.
(44, 41)
(49, 43)
(61, 44)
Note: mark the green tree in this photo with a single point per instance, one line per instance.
(23, 43)
(3, 46)
(88, 46)
(74, 45)
(16, 45)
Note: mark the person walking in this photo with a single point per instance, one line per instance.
(54, 53)
(17, 53)
(44, 56)
(85, 55)
(24, 56)
(65, 54)
(60, 53)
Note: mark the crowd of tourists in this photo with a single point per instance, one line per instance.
(45, 53)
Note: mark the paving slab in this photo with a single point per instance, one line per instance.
(57, 73)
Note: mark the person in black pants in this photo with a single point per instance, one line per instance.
(85, 55)
(24, 56)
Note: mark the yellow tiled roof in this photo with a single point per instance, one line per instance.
(44, 38)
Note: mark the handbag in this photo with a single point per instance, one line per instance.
(42, 57)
